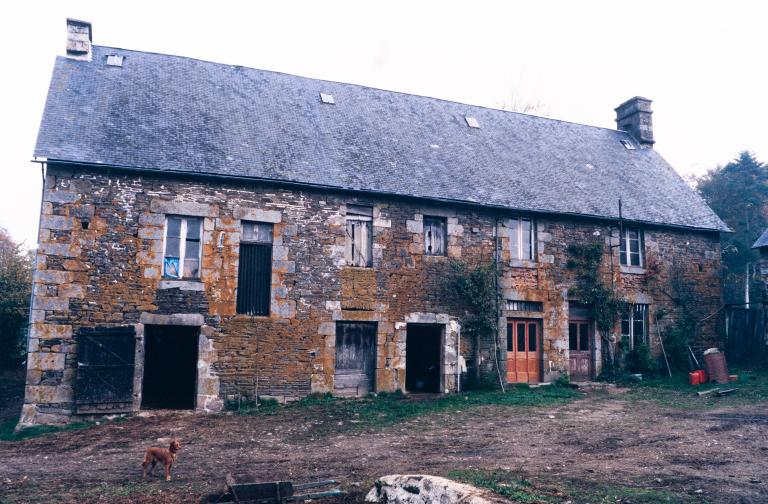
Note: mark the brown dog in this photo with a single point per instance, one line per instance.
(166, 456)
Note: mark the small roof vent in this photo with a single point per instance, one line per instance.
(627, 144)
(327, 98)
(114, 60)
(472, 122)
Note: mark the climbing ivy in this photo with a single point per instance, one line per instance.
(604, 302)
(474, 287)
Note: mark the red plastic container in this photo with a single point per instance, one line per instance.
(694, 378)
(702, 376)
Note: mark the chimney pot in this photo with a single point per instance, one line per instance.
(634, 117)
(79, 37)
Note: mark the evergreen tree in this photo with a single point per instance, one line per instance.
(738, 193)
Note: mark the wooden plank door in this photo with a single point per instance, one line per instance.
(580, 349)
(105, 368)
(523, 351)
(355, 358)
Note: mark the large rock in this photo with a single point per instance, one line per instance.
(425, 489)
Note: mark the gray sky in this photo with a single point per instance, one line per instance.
(703, 63)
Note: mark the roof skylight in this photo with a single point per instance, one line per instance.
(114, 60)
(327, 98)
(627, 144)
(472, 122)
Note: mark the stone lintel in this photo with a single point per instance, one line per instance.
(258, 215)
(190, 208)
(182, 319)
(185, 285)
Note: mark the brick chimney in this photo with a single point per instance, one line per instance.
(634, 117)
(79, 39)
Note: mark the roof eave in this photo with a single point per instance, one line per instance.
(289, 183)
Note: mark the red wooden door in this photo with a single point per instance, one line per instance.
(580, 349)
(523, 351)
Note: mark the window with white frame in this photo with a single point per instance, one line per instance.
(631, 247)
(634, 324)
(181, 257)
(521, 238)
(359, 242)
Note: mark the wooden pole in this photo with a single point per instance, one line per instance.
(661, 342)
(698, 366)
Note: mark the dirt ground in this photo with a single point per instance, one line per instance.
(717, 454)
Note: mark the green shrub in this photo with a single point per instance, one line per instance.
(639, 360)
(676, 345)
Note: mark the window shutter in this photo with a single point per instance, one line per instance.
(365, 244)
(623, 247)
(254, 278)
(434, 236)
(525, 238)
(514, 239)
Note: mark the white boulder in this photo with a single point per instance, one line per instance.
(425, 489)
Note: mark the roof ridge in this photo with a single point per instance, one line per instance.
(278, 72)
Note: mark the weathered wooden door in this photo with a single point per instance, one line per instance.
(523, 351)
(580, 349)
(355, 358)
(105, 367)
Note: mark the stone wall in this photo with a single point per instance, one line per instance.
(100, 264)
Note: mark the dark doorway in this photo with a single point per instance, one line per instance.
(422, 358)
(355, 358)
(170, 367)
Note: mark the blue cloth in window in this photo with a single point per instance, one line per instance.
(171, 267)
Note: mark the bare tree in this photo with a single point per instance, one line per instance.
(516, 103)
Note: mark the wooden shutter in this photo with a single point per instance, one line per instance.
(434, 235)
(105, 367)
(358, 242)
(254, 279)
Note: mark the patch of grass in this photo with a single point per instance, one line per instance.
(517, 488)
(385, 409)
(505, 484)
(248, 406)
(7, 430)
(676, 391)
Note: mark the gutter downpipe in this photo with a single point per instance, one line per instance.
(458, 359)
(496, 262)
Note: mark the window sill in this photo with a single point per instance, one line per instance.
(632, 270)
(522, 263)
(185, 285)
(245, 316)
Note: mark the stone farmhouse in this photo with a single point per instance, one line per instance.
(210, 232)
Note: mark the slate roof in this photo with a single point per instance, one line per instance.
(176, 114)
(762, 241)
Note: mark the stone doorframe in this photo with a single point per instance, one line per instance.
(450, 362)
(207, 387)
